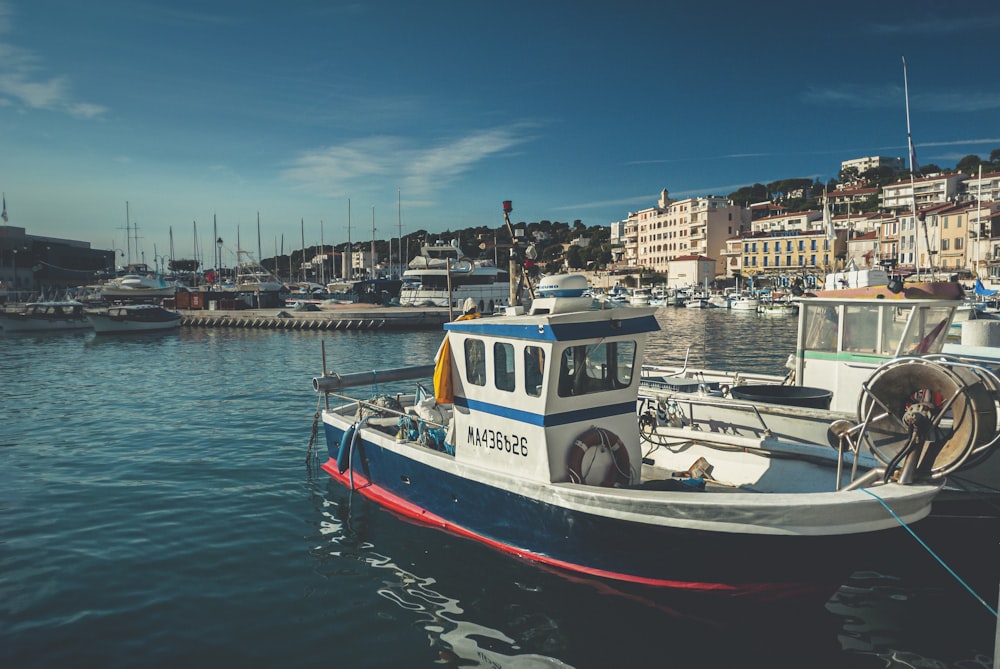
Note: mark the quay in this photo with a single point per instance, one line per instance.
(346, 317)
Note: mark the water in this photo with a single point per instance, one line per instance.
(157, 510)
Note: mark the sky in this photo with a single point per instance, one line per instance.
(323, 118)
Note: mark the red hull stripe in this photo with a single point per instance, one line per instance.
(395, 503)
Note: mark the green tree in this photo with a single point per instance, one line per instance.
(969, 164)
(575, 258)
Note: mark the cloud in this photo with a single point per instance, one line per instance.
(22, 80)
(887, 97)
(940, 25)
(363, 164)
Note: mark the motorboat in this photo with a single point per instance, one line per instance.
(640, 297)
(741, 302)
(528, 441)
(440, 268)
(121, 319)
(138, 283)
(45, 316)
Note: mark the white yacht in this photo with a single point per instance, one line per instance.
(426, 281)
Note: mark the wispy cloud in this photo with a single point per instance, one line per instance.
(884, 97)
(421, 170)
(940, 25)
(22, 80)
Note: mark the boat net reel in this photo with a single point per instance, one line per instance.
(932, 415)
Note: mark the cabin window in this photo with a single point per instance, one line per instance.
(591, 369)
(503, 366)
(821, 328)
(534, 370)
(926, 331)
(861, 331)
(475, 362)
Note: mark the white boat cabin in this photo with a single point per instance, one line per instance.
(842, 341)
(530, 387)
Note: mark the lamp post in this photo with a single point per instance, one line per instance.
(218, 261)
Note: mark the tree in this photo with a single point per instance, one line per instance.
(575, 258)
(969, 164)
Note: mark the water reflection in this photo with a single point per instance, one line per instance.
(457, 641)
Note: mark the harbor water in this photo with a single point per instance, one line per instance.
(159, 507)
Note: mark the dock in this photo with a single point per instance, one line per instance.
(341, 317)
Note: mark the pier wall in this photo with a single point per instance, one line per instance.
(376, 318)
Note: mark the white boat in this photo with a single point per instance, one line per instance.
(744, 303)
(252, 277)
(640, 297)
(853, 355)
(133, 318)
(137, 284)
(697, 303)
(426, 282)
(530, 444)
(777, 308)
(45, 316)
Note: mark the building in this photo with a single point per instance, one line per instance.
(862, 165)
(31, 264)
(937, 189)
(654, 238)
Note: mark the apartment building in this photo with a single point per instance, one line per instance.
(937, 189)
(862, 165)
(673, 229)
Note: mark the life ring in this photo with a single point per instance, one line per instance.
(619, 472)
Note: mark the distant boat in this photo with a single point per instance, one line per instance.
(744, 303)
(45, 316)
(138, 283)
(134, 318)
(426, 282)
(252, 277)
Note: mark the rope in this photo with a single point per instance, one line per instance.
(932, 553)
(311, 451)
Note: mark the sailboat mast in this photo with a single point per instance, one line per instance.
(349, 256)
(913, 168)
(128, 235)
(373, 241)
(399, 223)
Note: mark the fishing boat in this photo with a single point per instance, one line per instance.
(441, 267)
(530, 443)
(121, 319)
(864, 372)
(45, 316)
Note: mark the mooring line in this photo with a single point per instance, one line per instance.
(933, 554)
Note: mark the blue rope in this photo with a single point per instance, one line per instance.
(933, 554)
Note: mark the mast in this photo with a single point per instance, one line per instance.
(399, 223)
(260, 253)
(979, 220)
(913, 168)
(348, 258)
(128, 236)
(373, 242)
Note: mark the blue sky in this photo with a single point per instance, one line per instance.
(574, 110)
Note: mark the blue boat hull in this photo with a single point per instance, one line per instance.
(766, 567)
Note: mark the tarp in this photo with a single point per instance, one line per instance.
(982, 290)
